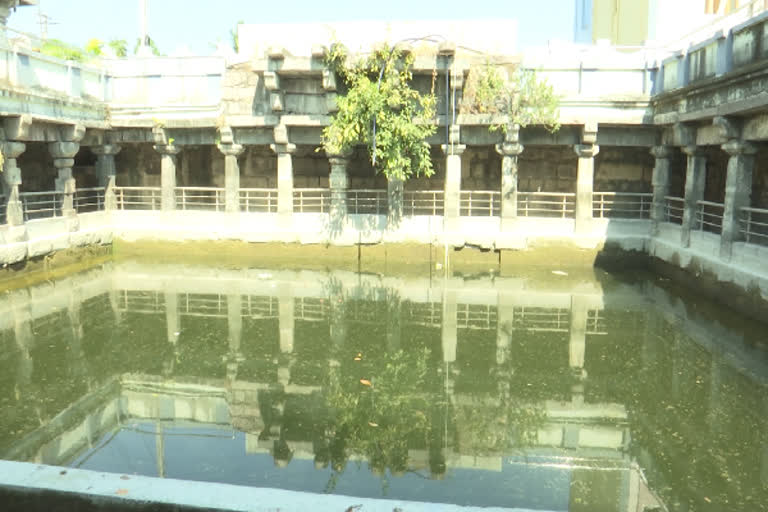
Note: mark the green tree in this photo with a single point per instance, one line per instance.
(522, 99)
(234, 37)
(152, 46)
(94, 46)
(382, 111)
(119, 47)
(61, 50)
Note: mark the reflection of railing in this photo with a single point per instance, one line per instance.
(39, 205)
(546, 204)
(260, 306)
(476, 316)
(429, 314)
(138, 198)
(89, 199)
(423, 202)
(367, 201)
(3, 209)
(673, 209)
(200, 198)
(311, 309)
(709, 216)
(258, 200)
(479, 203)
(311, 200)
(754, 225)
(621, 205)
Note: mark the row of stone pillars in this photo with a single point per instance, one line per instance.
(738, 189)
(63, 154)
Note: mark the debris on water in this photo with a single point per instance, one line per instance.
(359, 356)
(365, 382)
(438, 266)
(373, 424)
(559, 273)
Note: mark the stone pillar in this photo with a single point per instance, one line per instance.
(168, 154)
(284, 182)
(660, 182)
(695, 181)
(11, 181)
(63, 154)
(105, 169)
(339, 182)
(509, 150)
(452, 199)
(394, 202)
(449, 327)
(738, 191)
(231, 176)
(585, 185)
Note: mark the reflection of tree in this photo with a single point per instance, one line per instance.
(378, 421)
(488, 430)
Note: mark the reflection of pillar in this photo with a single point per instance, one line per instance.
(449, 326)
(764, 447)
(505, 314)
(695, 181)
(715, 395)
(114, 302)
(22, 317)
(286, 313)
(393, 322)
(235, 331)
(160, 450)
(578, 331)
(78, 364)
(172, 325)
(394, 202)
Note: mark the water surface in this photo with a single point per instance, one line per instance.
(565, 391)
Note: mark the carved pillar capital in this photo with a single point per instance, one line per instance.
(231, 149)
(661, 151)
(106, 150)
(586, 150)
(509, 148)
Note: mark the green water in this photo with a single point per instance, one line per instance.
(545, 391)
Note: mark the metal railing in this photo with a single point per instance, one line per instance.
(709, 216)
(367, 201)
(673, 209)
(754, 225)
(89, 199)
(546, 204)
(479, 203)
(138, 198)
(40, 205)
(621, 205)
(423, 202)
(200, 198)
(258, 200)
(311, 200)
(3, 209)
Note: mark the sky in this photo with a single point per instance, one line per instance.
(199, 24)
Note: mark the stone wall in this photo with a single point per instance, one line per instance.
(37, 171)
(623, 169)
(547, 169)
(480, 168)
(717, 170)
(242, 91)
(760, 179)
(137, 165)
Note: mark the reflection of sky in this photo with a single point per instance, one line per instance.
(213, 454)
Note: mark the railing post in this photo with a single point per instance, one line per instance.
(660, 181)
(695, 181)
(11, 179)
(738, 189)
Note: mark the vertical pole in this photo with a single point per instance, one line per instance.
(509, 151)
(231, 176)
(738, 192)
(585, 185)
(168, 154)
(660, 183)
